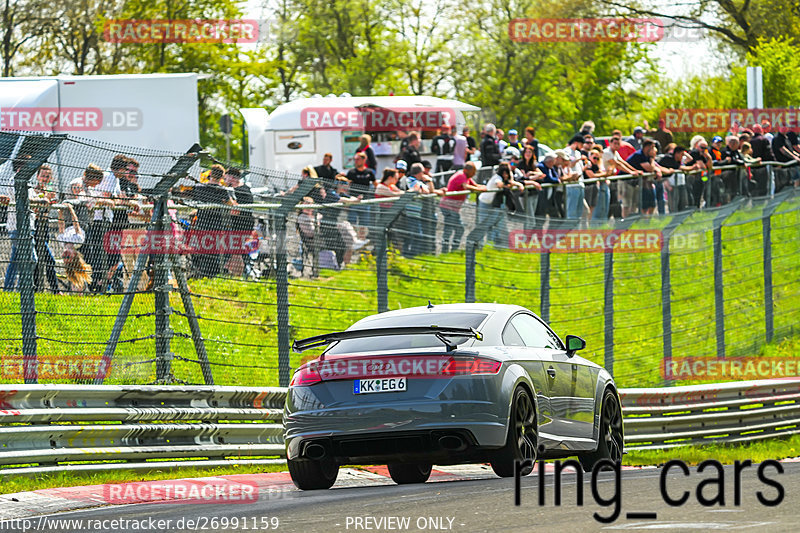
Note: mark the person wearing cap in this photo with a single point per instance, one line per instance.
(401, 167)
(443, 145)
(635, 140)
(514, 142)
(575, 188)
(420, 183)
(549, 168)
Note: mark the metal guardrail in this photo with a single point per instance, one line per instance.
(49, 428)
(731, 412)
(42, 426)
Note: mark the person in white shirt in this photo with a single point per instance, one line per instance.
(494, 198)
(76, 270)
(575, 188)
(459, 152)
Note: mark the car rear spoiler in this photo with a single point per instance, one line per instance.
(442, 333)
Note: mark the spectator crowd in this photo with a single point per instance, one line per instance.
(590, 179)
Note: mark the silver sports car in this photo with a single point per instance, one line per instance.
(447, 384)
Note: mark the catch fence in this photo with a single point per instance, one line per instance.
(186, 286)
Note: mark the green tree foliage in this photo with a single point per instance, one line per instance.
(780, 65)
(434, 47)
(554, 86)
(739, 24)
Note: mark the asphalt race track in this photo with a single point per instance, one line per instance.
(474, 502)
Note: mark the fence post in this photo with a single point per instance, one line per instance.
(666, 289)
(385, 219)
(161, 289)
(475, 236)
(544, 286)
(608, 297)
(766, 236)
(39, 149)
(770, 180)
(288, 204)
(178, 171)
(469, 272)
(719, 297)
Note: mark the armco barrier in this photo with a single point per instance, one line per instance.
(719, 412)
(42, 427)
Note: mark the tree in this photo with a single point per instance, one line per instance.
(552, 85)
(20, 24)
(737, 23)
(347, 46)
(428, 44)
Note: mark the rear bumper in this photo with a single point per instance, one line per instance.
(437, 446)
(478, 422)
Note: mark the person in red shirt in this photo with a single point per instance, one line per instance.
(625, 149)
(451, 205)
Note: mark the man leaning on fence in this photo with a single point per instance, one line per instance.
(451, 205)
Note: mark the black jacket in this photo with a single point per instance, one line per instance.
(490, 153)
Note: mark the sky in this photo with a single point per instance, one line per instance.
(677, 58)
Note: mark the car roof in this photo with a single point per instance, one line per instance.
(489, 308)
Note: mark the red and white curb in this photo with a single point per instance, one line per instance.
(236, 488)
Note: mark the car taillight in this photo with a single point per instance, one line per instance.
(306, 375)
(471, 366)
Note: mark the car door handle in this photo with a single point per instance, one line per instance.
(551, 372)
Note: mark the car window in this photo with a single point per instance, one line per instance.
(534, 333)
(511, 337)
(400, 342)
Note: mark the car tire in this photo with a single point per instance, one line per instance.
(522, 438)
(308, 474)
(406, 473)
(611, 444)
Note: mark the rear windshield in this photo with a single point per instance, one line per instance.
(403, 342)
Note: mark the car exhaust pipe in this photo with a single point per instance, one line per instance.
(315, 451)
(452, 443)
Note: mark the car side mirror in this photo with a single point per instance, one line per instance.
(574, 343)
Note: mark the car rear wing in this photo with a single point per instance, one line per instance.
(443, 333)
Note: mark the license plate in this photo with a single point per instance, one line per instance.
(367, 386)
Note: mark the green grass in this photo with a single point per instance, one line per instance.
(777, 448)
(11, 484)
(757, 451)
(239, 318)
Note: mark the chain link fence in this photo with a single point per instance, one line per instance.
(138, 267)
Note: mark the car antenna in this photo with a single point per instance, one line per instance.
(430, 305)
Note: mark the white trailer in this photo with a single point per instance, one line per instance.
(150, 111)
(298, 133)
